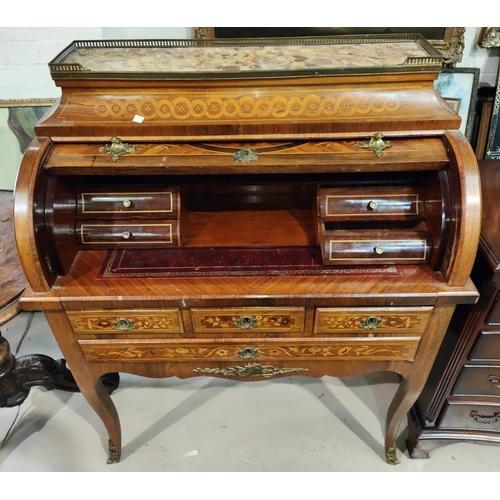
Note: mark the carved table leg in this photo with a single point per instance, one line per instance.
(412, 385)
(90, 385)
(17, 377)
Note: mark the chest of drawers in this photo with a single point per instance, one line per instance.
(461, 400)
(296, 211)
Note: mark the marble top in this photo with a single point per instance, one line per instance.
(240, 59)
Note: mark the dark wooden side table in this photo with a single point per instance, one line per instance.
(461, 400)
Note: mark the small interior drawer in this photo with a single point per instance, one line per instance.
(361, 205)
(487, 347)
(126, 321)
(105, 234)
(372, 247)
(122, 203)
(371, 321)
(479, 381)
(247, 320)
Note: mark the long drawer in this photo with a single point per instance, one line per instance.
(479, 381)
(487, 347)
(471, 415)
(137, 350)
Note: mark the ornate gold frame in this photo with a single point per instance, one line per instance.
(451, 45)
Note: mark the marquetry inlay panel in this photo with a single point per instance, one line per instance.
(372, 320)
(160, 321)
(395, 349)
(290, 320)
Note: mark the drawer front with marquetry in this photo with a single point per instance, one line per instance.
(126, 321)
(478, 381)
(487, 347)
(247, 320)
(136, 350)
(397, 204)
(127, 234)
(366, 247)
(471, 415)
(372, 321)
(125, 203)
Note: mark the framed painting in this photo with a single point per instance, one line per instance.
(458, 86)
(493, 144)
(17, 122)
(449, 41)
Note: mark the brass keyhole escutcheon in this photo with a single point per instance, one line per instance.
(126, 235)
(245, 155)
(378, 250)
(371, 323)
(127, 203)
(246, 322)
(118, 148)
(124, 324)
(372, 205)
(248, 353)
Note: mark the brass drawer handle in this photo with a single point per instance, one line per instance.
(372, 205)
(494, 381)
(124, 324)
(246, 322)
(127, 203)
(371, 323)
(245, 155)
(378, 250)
(248, 353)
(485, 419)
(126, 235)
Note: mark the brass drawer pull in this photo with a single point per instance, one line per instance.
(246, 322)
(494, 381)
(248, 353)
(485, 419)
(372, 205)
(124, 324)
(126, 235)
(371, 323)
(378, 250)
(245, 155)
(127, 203)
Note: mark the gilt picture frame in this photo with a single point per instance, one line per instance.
(493, 143)
(458, 86)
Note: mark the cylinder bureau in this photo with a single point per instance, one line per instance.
(248, 209)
